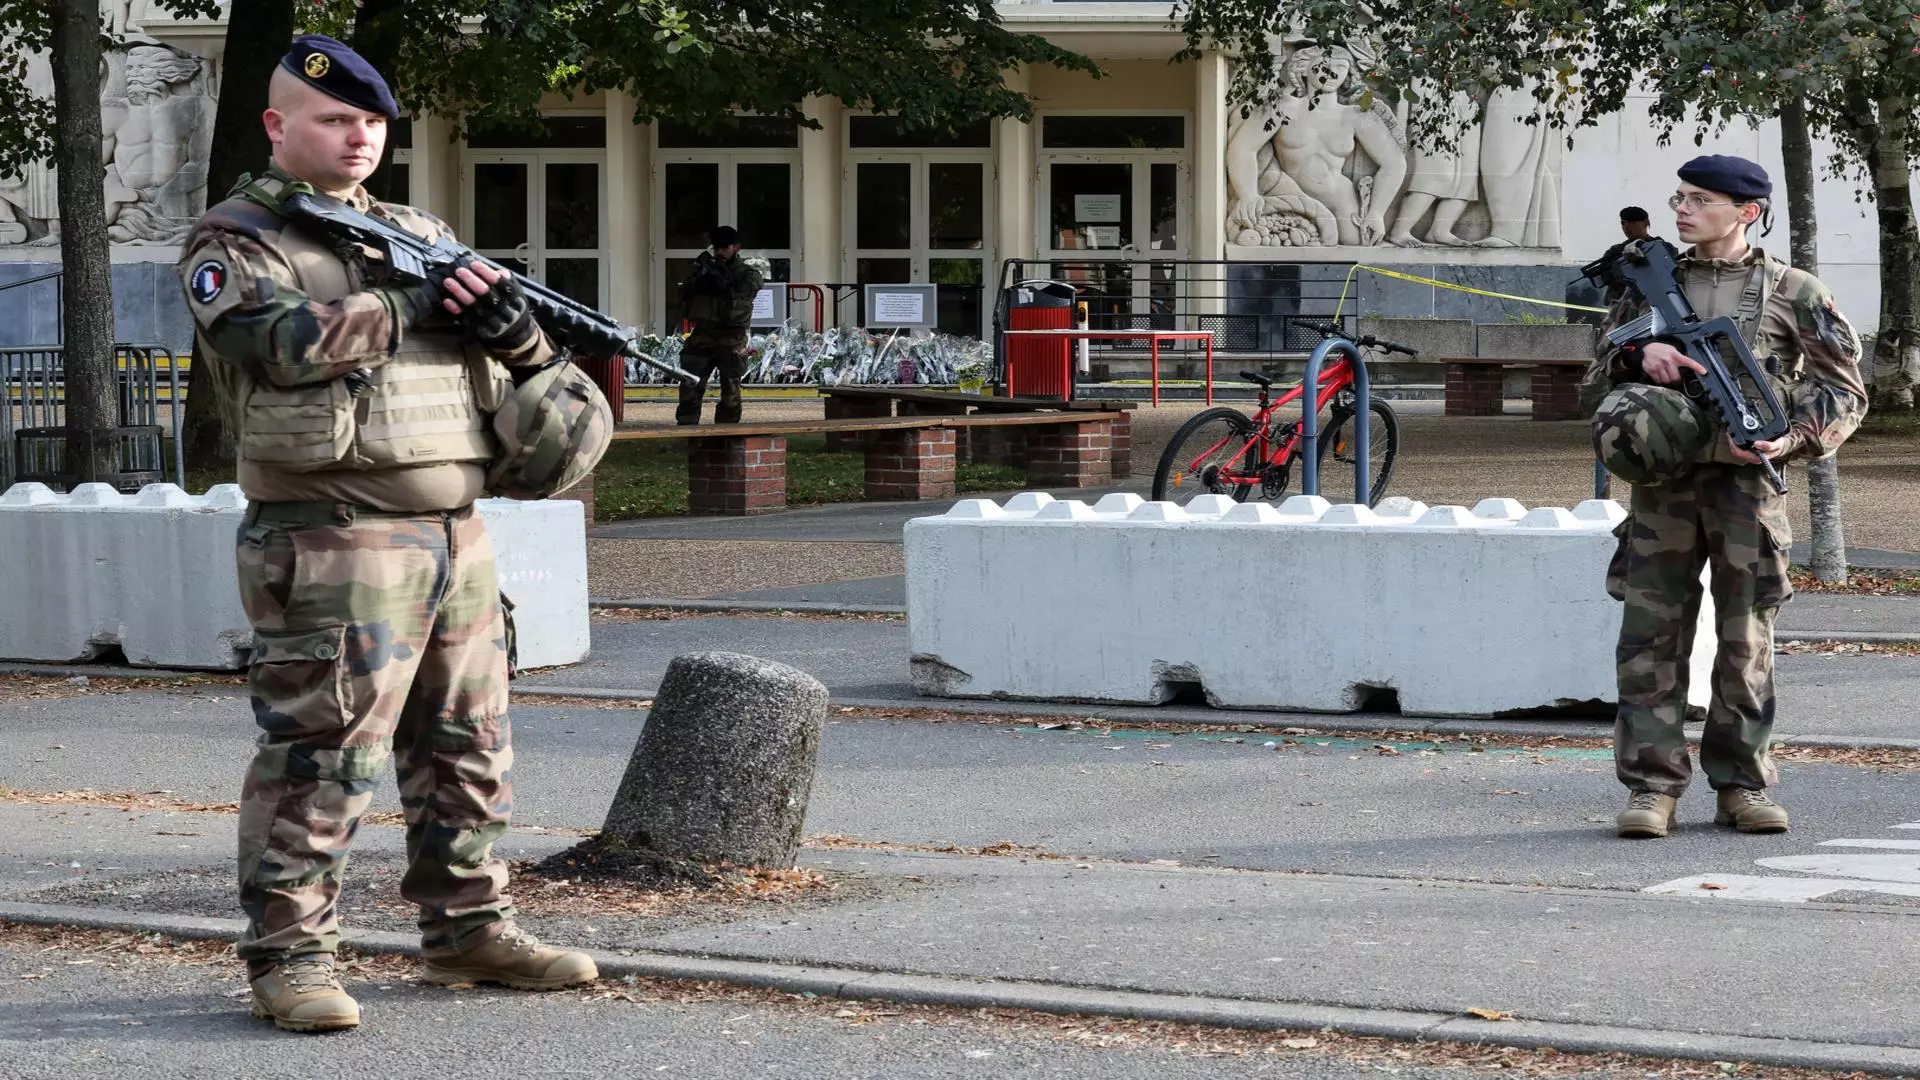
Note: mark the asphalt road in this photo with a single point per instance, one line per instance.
(1861, 695)
(182, 1022)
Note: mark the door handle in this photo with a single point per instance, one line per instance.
(520, 253)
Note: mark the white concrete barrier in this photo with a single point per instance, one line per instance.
(153, 573)
(1306, 606)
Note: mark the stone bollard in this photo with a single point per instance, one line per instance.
(724, 766)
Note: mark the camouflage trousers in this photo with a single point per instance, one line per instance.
(722, 351)
(1726, 517)
(372, 632)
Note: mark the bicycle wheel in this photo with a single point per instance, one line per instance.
(1338, 444)
(1192, 462)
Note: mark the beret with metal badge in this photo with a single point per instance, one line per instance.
(337, 71)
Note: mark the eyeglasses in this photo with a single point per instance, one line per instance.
(1695, 202)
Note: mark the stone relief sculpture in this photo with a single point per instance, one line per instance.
(1292, 169)
(156, 112)
(1337, 173)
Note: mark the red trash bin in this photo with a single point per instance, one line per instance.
(611, 376)
(1040, 367)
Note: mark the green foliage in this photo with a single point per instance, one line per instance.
(1707, 62)
(26, 117)
(933, 63)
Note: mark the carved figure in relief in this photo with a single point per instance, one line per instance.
(1519, 173)
(29, 202)
(1445, 181)
(151, 114)
(1313, 135)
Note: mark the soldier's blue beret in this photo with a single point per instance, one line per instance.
(1735, 177)
(337, 71)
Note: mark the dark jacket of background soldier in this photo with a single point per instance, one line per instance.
(719, 303)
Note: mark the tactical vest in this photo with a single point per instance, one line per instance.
(1763, 280)
(429, 403)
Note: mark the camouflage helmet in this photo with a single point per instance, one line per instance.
(1644, 434)
(553, 430)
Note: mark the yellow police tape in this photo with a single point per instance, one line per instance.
(1418, 280)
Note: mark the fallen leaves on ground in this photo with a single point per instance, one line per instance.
(1489, 1014)
(1848, 648)
(841, 842)
(15, 689)
(665, 614)
(1860, 582)
(119, 949)
(129, 801)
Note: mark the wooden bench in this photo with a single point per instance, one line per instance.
(741, 469)
(1476, 385)
(998, 446)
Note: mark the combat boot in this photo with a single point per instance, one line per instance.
(1750, 811)
(302, 993)
(1648, 814)
(514, 959)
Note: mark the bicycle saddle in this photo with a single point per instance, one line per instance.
(1256, 377)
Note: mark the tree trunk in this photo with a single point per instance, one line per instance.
(1829, 540)
(86, 258)
(258, 32)
(377, 32)
(1896, 351)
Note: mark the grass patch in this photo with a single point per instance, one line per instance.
(1878, 424)
(648, 478)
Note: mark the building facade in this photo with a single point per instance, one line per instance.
(1144, 187)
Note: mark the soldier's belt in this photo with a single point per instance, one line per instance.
(330, 513)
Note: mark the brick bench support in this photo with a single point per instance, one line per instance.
(849, 408)
(1122, 437)
(1070, 455)
(1475, 389)
(737, 475)
(1556, 392)
(911, 464)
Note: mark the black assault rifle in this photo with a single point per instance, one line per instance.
(1751, 412)
(412, 258)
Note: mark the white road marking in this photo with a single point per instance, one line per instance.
(1876, 868)
(1890, 867)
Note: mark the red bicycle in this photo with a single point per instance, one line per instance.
(1224, 451)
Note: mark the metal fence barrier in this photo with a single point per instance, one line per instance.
(151, 396)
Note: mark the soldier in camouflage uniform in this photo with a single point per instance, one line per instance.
(1715, 508)
(361, 412)
(719, 303)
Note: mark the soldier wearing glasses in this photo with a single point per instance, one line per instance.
(1698, 500)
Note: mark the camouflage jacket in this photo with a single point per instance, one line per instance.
(1796, 322)
(720, 293)
(283, 315)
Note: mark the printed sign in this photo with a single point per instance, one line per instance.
(1096, 208)
(902, 305)
(896, 307)
(1103, 236)
(770, 305)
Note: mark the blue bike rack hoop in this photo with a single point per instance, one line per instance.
(1310, 418)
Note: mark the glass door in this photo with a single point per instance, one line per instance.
(923, 217)
(539, 213)
(1103, 217)
(756, 194)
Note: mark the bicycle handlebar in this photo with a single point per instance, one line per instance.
(1367, 340)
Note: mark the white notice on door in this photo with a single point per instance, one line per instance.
(907, 308)
(763, 305)
(1088, 208)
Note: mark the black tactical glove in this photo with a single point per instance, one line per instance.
(412, 304)
(501, 319)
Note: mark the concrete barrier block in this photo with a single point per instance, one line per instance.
(1209, 506)
(1028, 502)
(1605, 510)
(1119, 502)
(976, 509)
(541, 550)
(153, 575)
(1066, 510)
(1305, 507)
(1445, 612)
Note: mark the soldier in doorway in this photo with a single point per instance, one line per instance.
(1698, 500)
(718, 299)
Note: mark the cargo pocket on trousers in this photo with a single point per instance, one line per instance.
(300, 681)
(512, 638)
(1771, 587)
(1617, 566)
